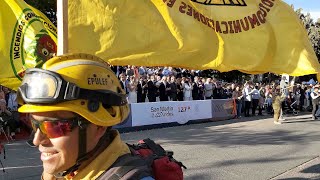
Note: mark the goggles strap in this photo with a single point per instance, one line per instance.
(106, 97)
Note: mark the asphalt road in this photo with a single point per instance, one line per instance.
(252, 148)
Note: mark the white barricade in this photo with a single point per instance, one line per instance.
(223, 109)
(170, 111)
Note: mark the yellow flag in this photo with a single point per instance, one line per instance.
(253, 36)
(27, 39)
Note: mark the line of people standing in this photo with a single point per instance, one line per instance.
(169, 88)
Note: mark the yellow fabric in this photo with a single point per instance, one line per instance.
(101, 163)
(253, 36)
(27, 39)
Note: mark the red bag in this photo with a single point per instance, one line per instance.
(164, 166)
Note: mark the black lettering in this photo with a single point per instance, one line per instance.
(226, 25)
(212, 22)
(182, 7)
(218, 29)
(203, 19)
(16, 53)
(264, 9)
(267, 3)
(237, 26)
(208, 22)
(253, 21)
(196, 15)
(189, 12)
(246, 26)
(261, 17)
(231, 27)
(171, 3)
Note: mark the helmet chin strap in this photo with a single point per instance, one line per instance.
(83, 155)
(82, 147)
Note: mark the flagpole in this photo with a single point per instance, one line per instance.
(62, 22)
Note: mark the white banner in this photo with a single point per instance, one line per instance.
(170, 111)
(223, 109)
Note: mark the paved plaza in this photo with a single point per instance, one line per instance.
(246, 149)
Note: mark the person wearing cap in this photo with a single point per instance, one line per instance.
(315, 96)
(72, 103)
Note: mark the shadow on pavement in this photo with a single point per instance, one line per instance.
(312, 169)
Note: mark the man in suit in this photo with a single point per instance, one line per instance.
(152, 89)
(195, 89)
(123, 82)
(162, 89)
(141, 90)
(173, 89)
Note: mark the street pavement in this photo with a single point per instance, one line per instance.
(246, 149)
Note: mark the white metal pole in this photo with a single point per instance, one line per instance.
(62, 21)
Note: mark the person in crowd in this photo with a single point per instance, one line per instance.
(268, 99)
(124, 82)
(315, 96)
(173, 89)
(142, 89)
(3, 103)
(152, 89)
(74, 135)
(187, 90)
(255, 94)
(132, 87)
(284, 90)
(228, 91)
(300, 97)
(218, 91)
(247, 98)
(162, 89)
(237, 96)
(277, 98)
(179, 89)
(142, 71)
(208, 89)
(215, 83)
(168, 87)
(12, 106)
(201, 88)
(196, 89)
(130, 71)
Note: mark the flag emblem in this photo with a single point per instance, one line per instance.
(31, 46)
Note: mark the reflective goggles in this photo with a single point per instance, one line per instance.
(41, 86)
(56, 128)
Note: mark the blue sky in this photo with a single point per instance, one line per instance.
(311, 6)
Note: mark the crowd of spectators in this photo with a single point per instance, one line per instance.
(9, 116)
(143, 84)
(169, 84)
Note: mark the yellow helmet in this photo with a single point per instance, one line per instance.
(80, 83)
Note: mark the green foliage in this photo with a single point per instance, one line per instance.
(313, 30)
(48, 7)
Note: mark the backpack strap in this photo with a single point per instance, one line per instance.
(156, 148)
(128, 167)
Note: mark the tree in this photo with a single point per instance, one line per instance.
(49, 8)
(313, 30)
